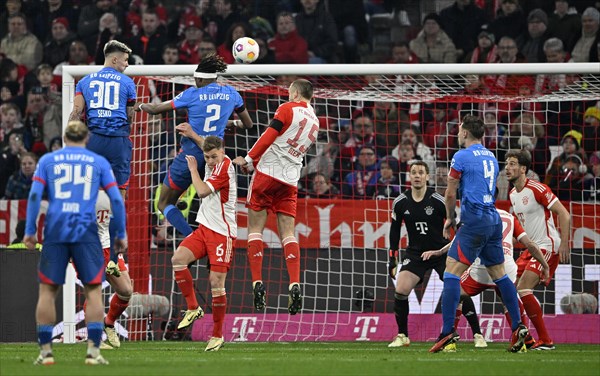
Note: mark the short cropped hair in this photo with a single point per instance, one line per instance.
(474, 125)
(212, 142)
(304, 87)
(116, 46)
(523, 158)
(76, 131)
(420, 163)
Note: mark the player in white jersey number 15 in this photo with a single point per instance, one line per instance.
(277, 157)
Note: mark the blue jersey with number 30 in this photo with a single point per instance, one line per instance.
(72, 177)
(209, 107)
(106, 94)
(477, 168)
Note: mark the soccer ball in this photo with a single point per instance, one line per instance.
(245, 50)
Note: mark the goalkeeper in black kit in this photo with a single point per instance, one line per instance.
(423, 211)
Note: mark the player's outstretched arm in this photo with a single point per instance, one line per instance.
(437, 253)
(78, 107)
(534, 250)
(186, 130)
(33, 208)
(564, 221)
(154, 109)
(450, 202)
(202, 189)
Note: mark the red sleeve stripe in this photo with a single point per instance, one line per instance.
(110, 185)
(38, 179)
(453, 173)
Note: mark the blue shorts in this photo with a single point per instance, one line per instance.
(179, 177)
(87, 257)
(117, 150)
(472, 241)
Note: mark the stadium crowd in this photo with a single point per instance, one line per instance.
(366, 157)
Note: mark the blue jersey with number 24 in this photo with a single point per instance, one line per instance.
(478, 171)
(106, 94)
(209, 107)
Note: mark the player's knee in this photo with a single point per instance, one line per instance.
(399, 296)
(524, 292)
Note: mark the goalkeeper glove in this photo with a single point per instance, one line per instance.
(393, 263)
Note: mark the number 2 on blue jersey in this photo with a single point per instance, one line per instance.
(215, 110)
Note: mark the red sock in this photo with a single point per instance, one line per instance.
(186, 285)
(117, 306)
(534, 311)
(508, 319)
(219, 306)
(457, 318)
(255, 255)
(291, 250)
(524, 318)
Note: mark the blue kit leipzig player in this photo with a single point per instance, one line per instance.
(473, 173)
(71, 178)
(209, 106)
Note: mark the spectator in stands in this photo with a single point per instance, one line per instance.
(594, 190)
(361, 133)
(527, 132)
(486, 51)
(574, 182)
(361, 183)
(10, 121)
(321, 187)
(317, 26)
(401, 54)
(586, 44)
(555, 53)
(508, 52)
(591, 130)
(149, 44)
(510, 20)
(407, 153)
(388, 184)
(352, 28)
(189, 49)
(43, 74)
(88, 26)
(462, 21)
(42, 121)
(412, 134)
(47, 13)
(265, 54)
(571, 144)
(494, 132)
(55, 144)
(288, 46)
(109, 29)
(236, 31)
(441, 133)
(531, 43)
(9, 93)
(441, 177)
(12, 7)
(78, 55)
(432, 44)
(20, 45)
(19, 183)
(389, 120)
(56, 49)
(565, 23)
(207, 46)
(10, 158)
(227, 15)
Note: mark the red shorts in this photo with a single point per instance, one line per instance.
(268, 193)
(218, 247)
(527, 262)
(120, 261)
(471, 287)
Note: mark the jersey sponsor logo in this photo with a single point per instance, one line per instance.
(525, 200)
(422, 227)
(429, 210)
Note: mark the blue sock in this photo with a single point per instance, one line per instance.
(177, 220)
(95, 332)
(44, 334)
(510, 299)
(450, 299)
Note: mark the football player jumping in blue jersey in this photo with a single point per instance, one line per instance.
(108, 98)
(71, 177)
(473, 173)
(209, 107)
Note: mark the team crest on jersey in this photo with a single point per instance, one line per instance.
(429, 210)
(406, 261)
(525, 200)
(548, 196)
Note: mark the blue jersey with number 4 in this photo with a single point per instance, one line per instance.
(209, 107)
(477, 169)
(71, 177)
(106, 94)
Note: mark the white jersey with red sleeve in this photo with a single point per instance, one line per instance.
(103, 214)
(283, 158)
(532, 208)
(217, 211)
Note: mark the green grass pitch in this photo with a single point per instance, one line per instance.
(303, 358)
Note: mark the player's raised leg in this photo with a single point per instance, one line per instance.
(183, 277)
(166, 204)
(123, 288)
(255, 251)
(291, 250)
